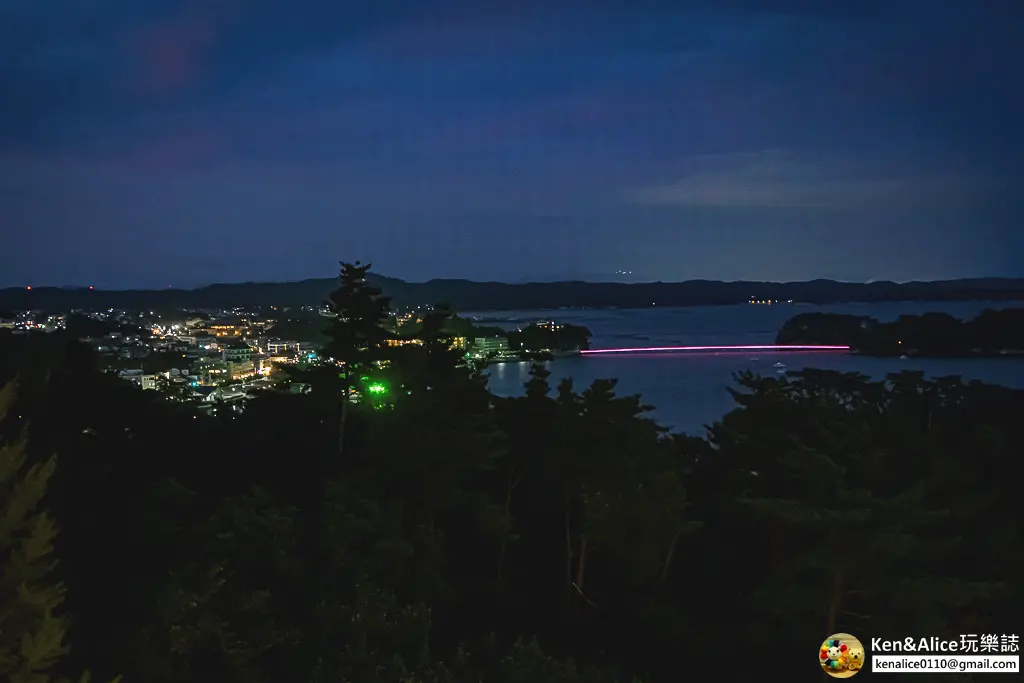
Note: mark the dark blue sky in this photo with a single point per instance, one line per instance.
(155, 143)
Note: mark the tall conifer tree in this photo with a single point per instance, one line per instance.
(358, 333)
(31, 630)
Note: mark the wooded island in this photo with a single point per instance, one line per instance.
(934, 335)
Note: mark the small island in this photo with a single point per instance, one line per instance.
(993, 333)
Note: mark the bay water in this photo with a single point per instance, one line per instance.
(689, 389)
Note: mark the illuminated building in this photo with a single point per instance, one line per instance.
(237, 353)
(229, 328)
(240, 369)
(405, 342)
(486, 345)
(281, 348)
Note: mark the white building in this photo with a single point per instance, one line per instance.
(488, 345)
(237, 353)
(282, 348)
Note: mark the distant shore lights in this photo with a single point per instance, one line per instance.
(755, 347)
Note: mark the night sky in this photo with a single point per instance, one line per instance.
(180, 143)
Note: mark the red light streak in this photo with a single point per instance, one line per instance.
(755, 347)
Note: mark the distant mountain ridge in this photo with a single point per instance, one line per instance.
(467, 295)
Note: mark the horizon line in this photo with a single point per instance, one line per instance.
(519, 283)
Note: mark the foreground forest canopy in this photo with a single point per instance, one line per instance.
(991, 333)
(465, 295)
(443, 534)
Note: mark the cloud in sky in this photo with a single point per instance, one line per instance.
(776, 179)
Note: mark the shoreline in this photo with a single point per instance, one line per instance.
(534, 356)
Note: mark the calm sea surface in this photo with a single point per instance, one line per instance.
(688, 390)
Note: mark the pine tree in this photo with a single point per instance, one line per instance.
(224, 613)
(358, 330)
(31, 629)
(433, 364)
(538, 387)
(842, 541)
(436, 449)
(624, 491)
(358, 333)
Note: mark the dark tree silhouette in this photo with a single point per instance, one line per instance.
(358, 337)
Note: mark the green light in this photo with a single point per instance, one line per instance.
(376, 388)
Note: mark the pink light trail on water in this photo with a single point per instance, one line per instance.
(756, 347)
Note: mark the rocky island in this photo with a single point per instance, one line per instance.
(993, 333)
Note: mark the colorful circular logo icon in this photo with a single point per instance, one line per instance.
(841, 655)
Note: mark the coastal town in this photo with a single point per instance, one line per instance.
(217, 359)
